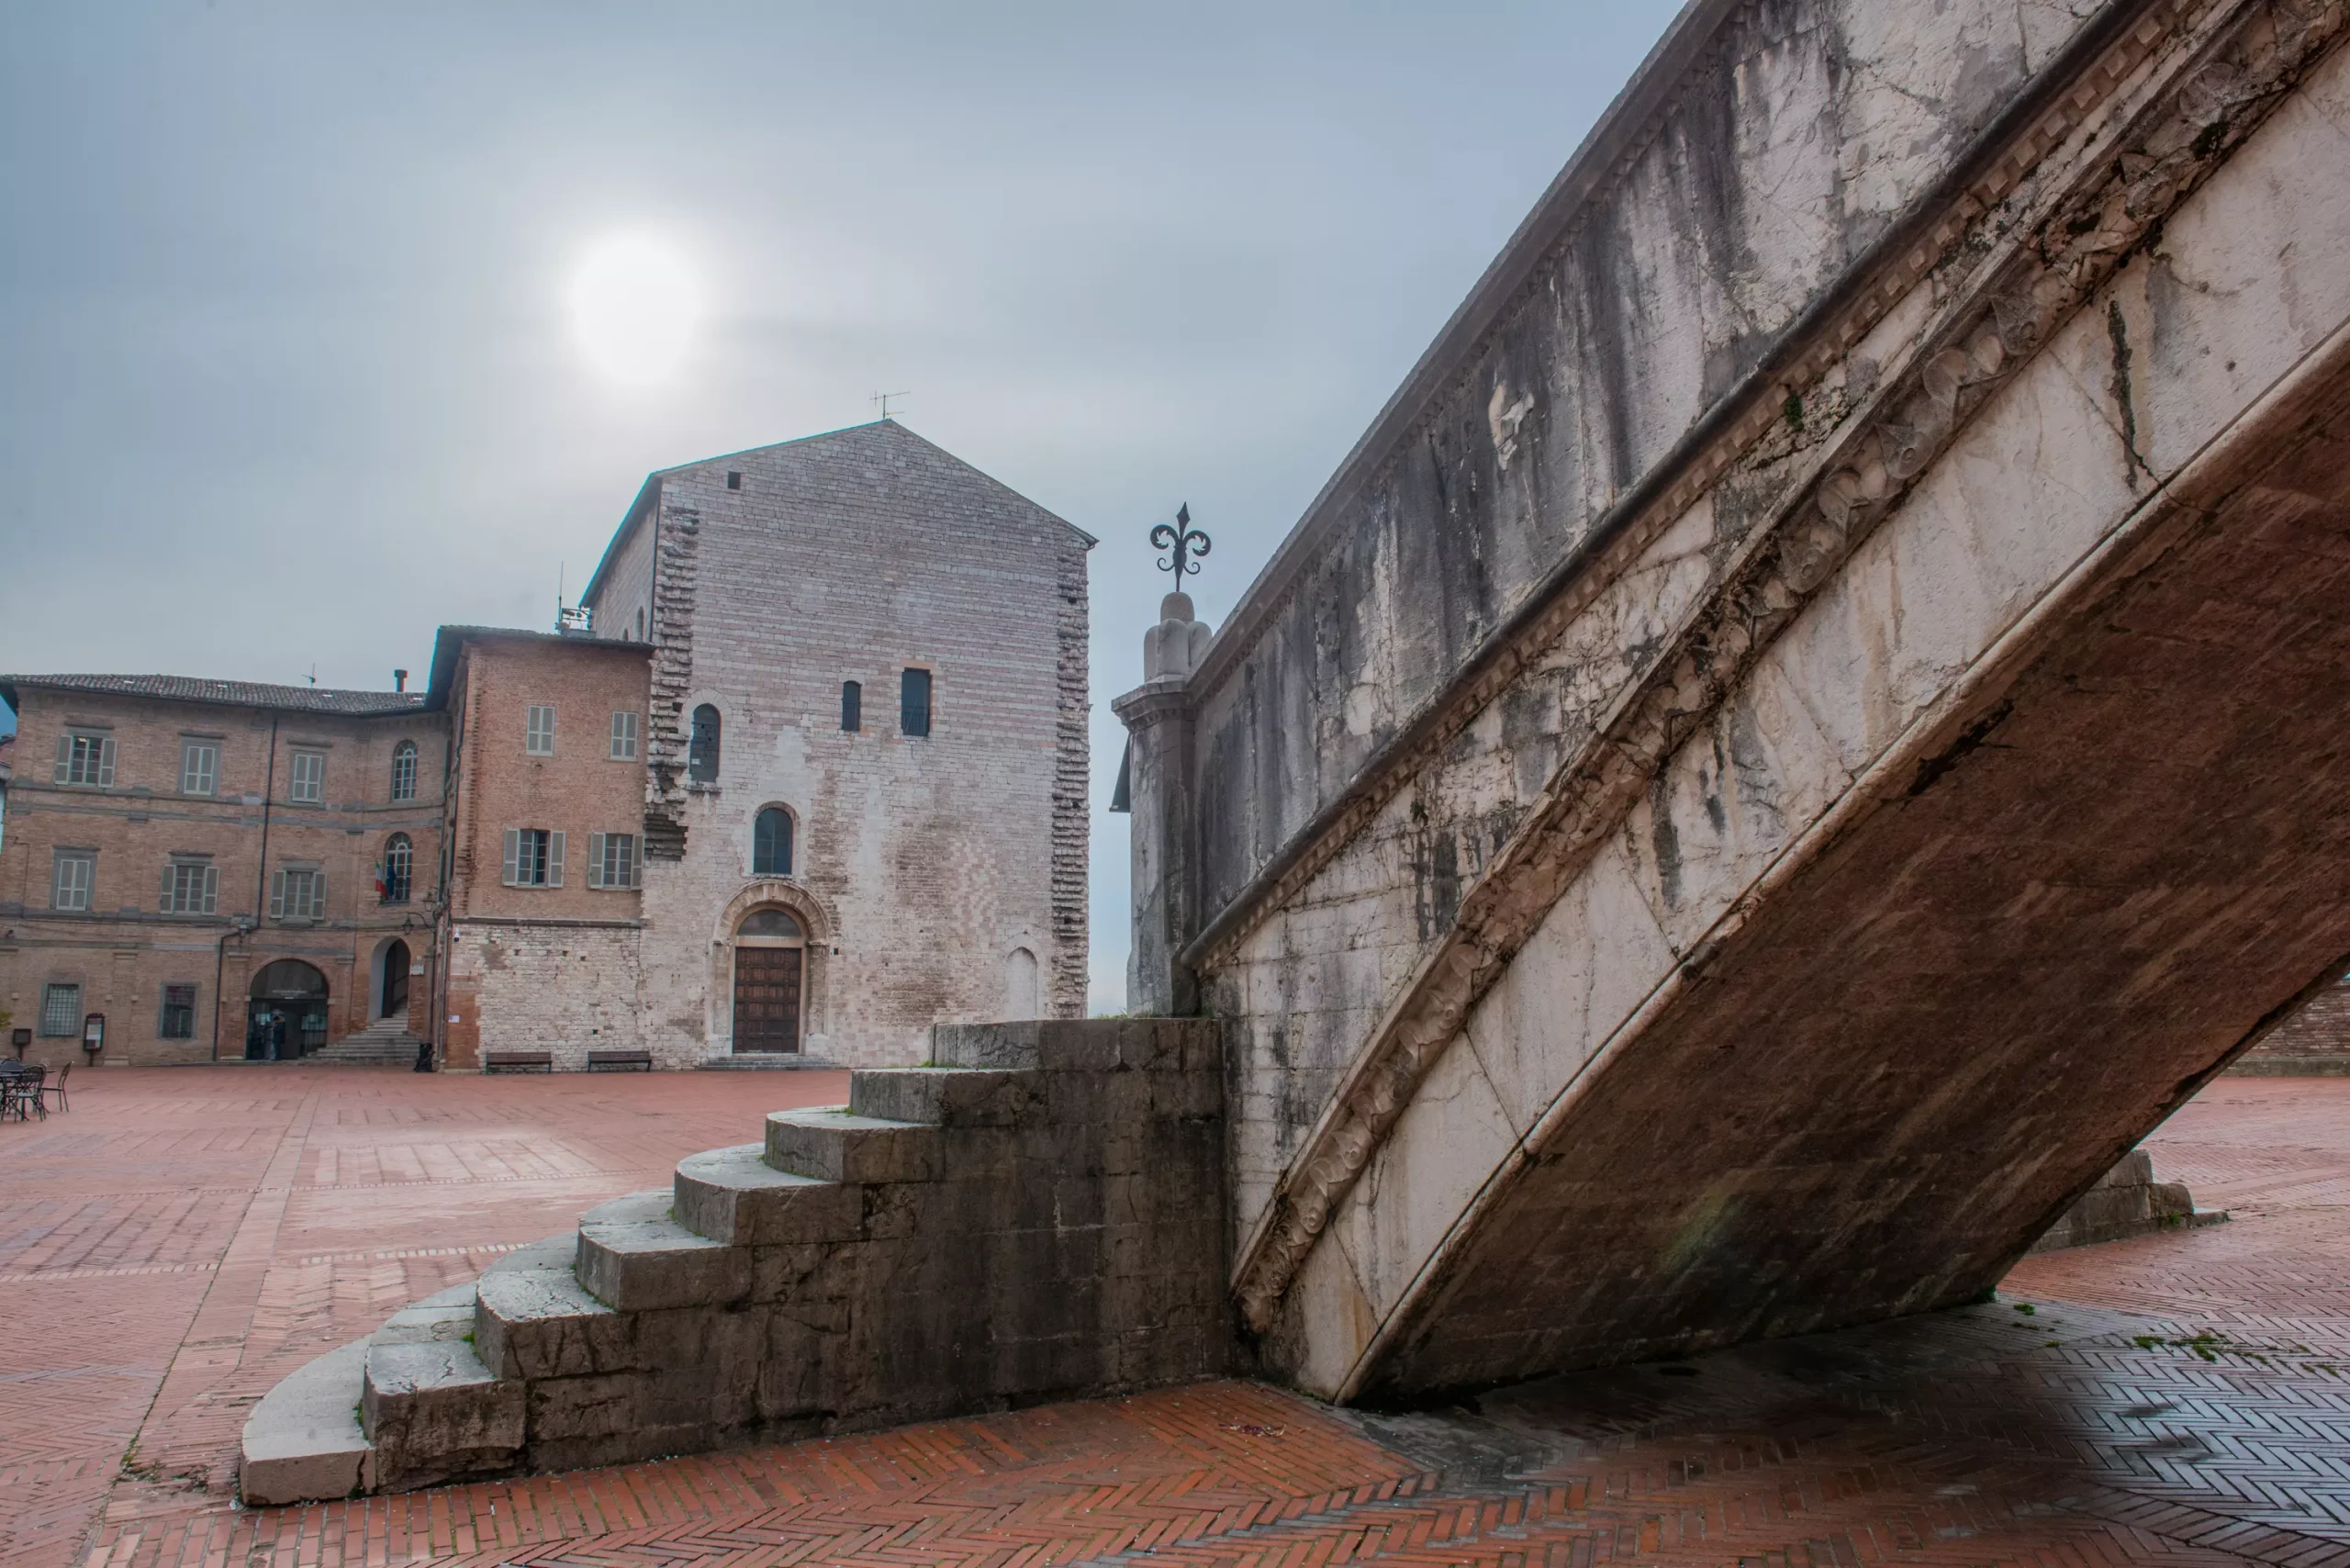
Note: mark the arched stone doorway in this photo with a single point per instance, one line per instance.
(287, 1017)
(770, 982)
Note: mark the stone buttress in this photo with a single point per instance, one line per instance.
(1038, 1213)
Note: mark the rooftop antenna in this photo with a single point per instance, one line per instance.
(883, 399)
(314, 672)
(566, 618)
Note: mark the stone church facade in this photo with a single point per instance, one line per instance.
(805, 774)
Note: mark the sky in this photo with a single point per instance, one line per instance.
(291, 368)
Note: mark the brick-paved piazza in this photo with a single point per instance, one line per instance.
(183, 1238)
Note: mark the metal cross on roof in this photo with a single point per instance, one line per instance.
(1187, 543)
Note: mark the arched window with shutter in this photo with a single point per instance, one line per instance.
(701, 750)
(398, 862)
(403, 771)
(771, 843)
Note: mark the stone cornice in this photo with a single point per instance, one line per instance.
(2140, 128)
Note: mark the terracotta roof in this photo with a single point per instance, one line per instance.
(235, 693)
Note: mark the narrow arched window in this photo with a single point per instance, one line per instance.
(702, 754)
(852, 705)
(771, 843)
(914, 702)
(403, 771)
(392, 879)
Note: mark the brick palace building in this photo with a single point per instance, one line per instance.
(805, 773)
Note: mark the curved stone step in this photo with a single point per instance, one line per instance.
(949, 1096)
(533, 1317)
(832, 1145)
(734, 1195)
(634, 1258)
(303, 1442)
(432, 1408)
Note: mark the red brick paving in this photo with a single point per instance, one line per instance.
(184, 1237)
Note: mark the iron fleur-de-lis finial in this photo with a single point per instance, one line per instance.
(1187, 543)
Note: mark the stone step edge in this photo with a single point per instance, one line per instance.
(303, 1443)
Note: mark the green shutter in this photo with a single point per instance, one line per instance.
(554, 858)
(106, 762)
(277, 895)
(64, 758)
(513, 854)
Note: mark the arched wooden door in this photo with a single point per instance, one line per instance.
(770, 974)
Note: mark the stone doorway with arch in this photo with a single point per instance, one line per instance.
(286, 1016)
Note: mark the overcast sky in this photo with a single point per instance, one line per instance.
(287, 376)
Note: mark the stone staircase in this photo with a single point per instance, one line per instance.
(1036, 1214)
(383, 1042)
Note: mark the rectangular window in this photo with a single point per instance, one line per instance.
(307, 782)
(199, 767)
(60, 1011)
(179, 1013)
(299, 893)
(191, 887)
(71, 873)
(533, 858)
(852, 705)
(538, 731)
(85, 756)
(611, 860)
(914, 702)
(623, 737)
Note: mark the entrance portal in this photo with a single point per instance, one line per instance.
(769, 955)
(288, 1016)
(394, 997)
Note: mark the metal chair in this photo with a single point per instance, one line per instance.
(20, 1092)
(58, 1088)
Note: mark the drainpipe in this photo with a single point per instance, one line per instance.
(261, 889)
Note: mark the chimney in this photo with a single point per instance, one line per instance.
(399, 680)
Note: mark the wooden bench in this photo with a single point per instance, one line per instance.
(619, 1061)
(518, 1062)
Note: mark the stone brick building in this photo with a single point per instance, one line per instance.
(805, 775)
(217, 869)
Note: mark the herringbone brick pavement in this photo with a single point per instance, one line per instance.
(2180, 1399)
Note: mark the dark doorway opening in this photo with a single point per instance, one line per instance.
(396, 962)
(287, 1017)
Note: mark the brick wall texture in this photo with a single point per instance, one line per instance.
(2315, 1039)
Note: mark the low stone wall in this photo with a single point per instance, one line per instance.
(1039, 1214)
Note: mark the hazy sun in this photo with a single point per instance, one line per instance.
(634, 303)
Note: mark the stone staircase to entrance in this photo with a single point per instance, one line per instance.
(383, 1042)
(1036, 1214)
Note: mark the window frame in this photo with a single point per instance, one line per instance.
(546, 859)
(928, 680)
(192, 747)
(625, 735)
(61, 857)
(165, 1007)
(86, 749)
(702, 769)
(852, 707)
(615, 852)
(314, 761)
(404, 760)
(538, 729)
(48, 993)
(791, 834)
(282, 891)
(399, 870)
(205, 896)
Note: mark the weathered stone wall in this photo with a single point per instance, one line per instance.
(1363, 751)
(126, 948)
(923, 867)
(565, 988)
(1800, 965)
